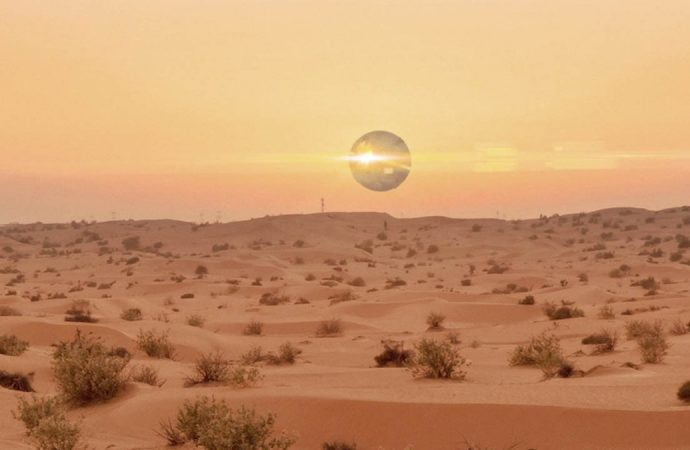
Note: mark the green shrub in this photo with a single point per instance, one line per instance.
(434, 359)
(393, 355)
(213, 425)
(155, 344)
(46, 424)
(11, 345)
(86, 372)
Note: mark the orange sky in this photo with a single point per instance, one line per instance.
(166, 108)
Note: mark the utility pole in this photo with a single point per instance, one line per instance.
(323, 208)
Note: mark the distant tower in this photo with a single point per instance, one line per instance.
(323, 207)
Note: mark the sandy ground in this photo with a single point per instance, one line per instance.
(334, 391)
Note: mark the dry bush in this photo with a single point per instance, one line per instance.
(606, 312)
(287, 354)
(155, 344)
(147, 375)
(433, 248)
(543, 351)
(252, 356)
(16, 381)
(46, 424)
(528, 300)
(338, 445)
(131, 314)
(213, 425)
(652, 343)
(253, 328)
(435, 320)
(636, 328)
(210, 368)
(201, 271)
(86, 372)
(604, 341)
(393, 355)
(272, 299)
(437, 359)
(678, 327)
(565, 311)
(329, 327)
(80, 311)
(8, 311)
(11, 345)
(684, 392)
(357, 282)
(195, 320)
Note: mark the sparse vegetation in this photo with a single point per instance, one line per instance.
(46, 424)
(565, 311)
(80, 311)
(11, 345)
(16, 381)
(155, 344)
(86, 371)
(213, 425)
(393, 355)
(253, 328)
(543, 351)
(604, 341)
(132, 314)
(684, 392)
(196, 320)
(437, 359)
(147, 375)
(435, 320)
(330, 327)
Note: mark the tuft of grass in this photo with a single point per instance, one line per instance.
(86, 372)
(155, 344)
(11, 345)
(437, 359)
(147, 375)
(328, 328)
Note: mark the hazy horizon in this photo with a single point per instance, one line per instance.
(171, 109)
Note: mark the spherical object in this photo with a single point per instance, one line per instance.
(380, 161)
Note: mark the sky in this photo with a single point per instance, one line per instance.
(206, 110)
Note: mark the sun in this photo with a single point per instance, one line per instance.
(380, 161)
(367, 158)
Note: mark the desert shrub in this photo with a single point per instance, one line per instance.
(86, 372)
(433, 248)
(131, 243)
(201, 271)
(271, 299)
(395, 282)
(346, 296)
(357, 282)
(244, 376)
(11, 345)
(528, 300)
(155, 344)
(187, 295)
(653, 344)
(46, 424)
(649, 283)
(252, 356)
(131, 314)
(210, 368)
(8, 311)
(338, 445)
(15, 381)
(554, 312)
(605, 341)
(195, 320)
(684, 392)
(147, 375)
(80, 311)
(310, 277)
(636, 328)
(566, 369)
(287, 354)
(329, 327)
(393, 355)
(466, 282)
(606, 312)
(213, 425)
(437, 359)
(543, 351)
(253, 328)
(678, 327)
(215, 248)
(435, 320)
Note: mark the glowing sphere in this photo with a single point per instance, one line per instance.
(380, 161)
